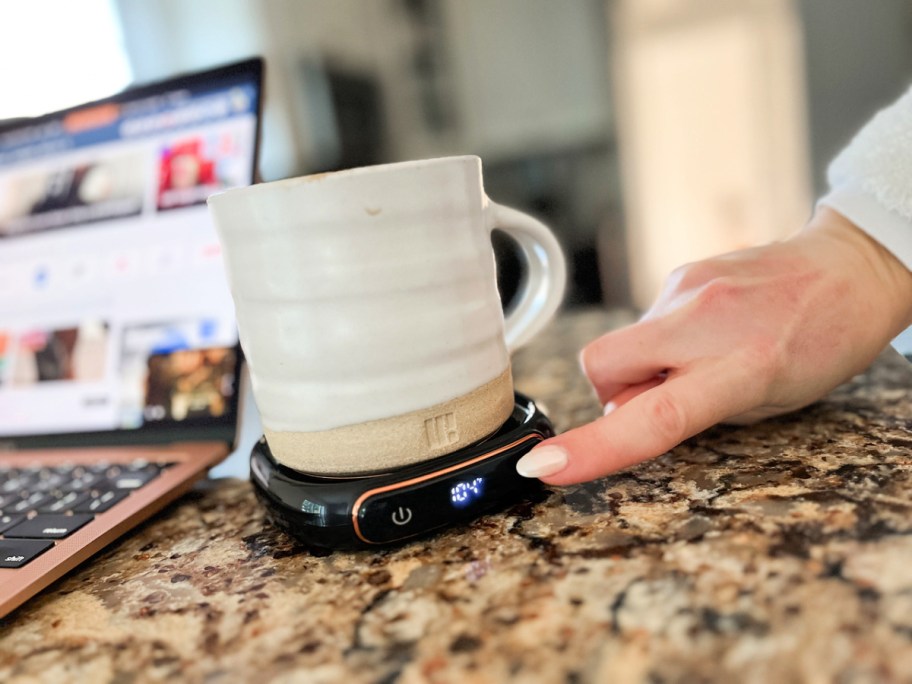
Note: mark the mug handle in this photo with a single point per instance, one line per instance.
(542, 288)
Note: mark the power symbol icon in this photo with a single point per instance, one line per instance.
(402, 516)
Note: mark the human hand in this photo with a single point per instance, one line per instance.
(735, 338)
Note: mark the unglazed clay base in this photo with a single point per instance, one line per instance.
(381, 445)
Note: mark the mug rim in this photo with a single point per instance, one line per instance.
(330, 176)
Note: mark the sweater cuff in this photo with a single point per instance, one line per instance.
(890, 229)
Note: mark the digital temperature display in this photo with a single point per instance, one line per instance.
(464, 493)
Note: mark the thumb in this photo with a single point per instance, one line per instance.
(647, 426)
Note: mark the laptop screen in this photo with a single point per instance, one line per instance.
(115, 314)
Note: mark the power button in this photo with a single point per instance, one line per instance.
(401, 516)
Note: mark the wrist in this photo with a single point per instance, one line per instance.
(889, 282)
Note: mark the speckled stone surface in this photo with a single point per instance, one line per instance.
(776, 553)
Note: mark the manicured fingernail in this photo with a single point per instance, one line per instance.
(541, 462)
(581, 359)
(609, 408)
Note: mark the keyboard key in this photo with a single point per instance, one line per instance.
(102, 502)
(47, 481)
(17, 481)
(47, 527)
(30, 503)
(30, 474)
(14, 553)
(7, 521)
(12, 483)
(133, 480)
(67, 469)
(65, 502)
(83, 482)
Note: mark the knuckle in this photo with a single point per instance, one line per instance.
(667, 416)
(719, 292)
(598, 352)
(693, 275)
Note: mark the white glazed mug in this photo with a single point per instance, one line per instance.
(368, 310)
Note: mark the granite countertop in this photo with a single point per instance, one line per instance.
(780, 552)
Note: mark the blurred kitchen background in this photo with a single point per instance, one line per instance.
(646, 133)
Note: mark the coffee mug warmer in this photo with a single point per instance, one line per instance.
(393, 507)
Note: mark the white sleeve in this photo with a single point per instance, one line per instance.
(871, 179)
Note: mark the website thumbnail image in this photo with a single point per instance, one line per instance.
(121, 180)
(173, 371)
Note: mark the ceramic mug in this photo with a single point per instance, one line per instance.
(368, 310)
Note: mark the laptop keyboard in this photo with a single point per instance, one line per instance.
(41, 505)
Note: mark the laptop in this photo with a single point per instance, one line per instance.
(119, 354)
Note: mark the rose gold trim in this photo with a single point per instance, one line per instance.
(191, 463)
(428, 476)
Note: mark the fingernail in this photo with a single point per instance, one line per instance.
(581, 359)
(609, 408)
(541, 462)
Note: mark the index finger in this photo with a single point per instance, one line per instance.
(645, 427)
(625, 357)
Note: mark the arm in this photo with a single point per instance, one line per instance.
(871, 179)
(751, 334)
